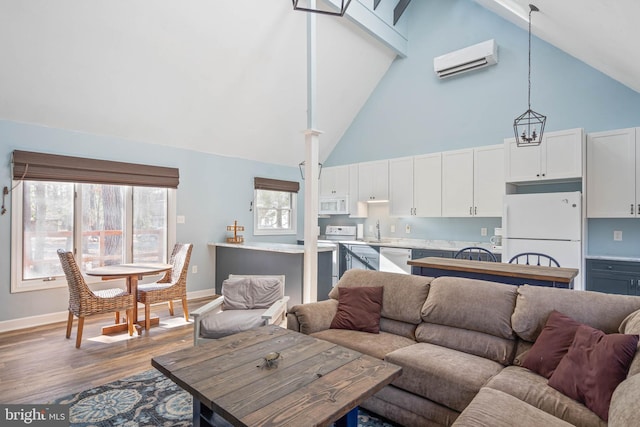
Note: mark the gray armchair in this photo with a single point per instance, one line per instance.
(247, 301)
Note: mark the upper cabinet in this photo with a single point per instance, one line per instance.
(357, 209)
(334, 181)
(613, 174)
(473, 182)
(558, 157)
(373, 181)
(415, 186)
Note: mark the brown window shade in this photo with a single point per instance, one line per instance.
(275, 185)
(28, 165)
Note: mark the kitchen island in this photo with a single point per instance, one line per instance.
(513, 274)
(273, 258)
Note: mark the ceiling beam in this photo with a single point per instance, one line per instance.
(399, 10)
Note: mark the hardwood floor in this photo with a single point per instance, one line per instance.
(38, 365)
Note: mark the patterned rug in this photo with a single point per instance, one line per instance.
(146, 399)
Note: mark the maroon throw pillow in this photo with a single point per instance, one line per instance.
(552, 344)
(358, 309)
(593, 367)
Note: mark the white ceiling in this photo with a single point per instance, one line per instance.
(228, 76)
(601, 33)
(225, 76)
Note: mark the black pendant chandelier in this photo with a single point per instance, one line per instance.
(529, 126)
(305, 6)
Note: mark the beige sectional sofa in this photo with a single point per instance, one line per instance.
(461, 343)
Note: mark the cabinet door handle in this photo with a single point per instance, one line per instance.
(632, 286)
(631, 209)
(470, 210)
(475, 210)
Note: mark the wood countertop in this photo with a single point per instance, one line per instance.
(532, 272)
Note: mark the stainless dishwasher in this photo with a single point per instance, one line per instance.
(395, 260)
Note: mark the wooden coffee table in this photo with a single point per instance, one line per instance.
(315, 382)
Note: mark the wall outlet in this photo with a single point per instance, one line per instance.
(617, 235)
(407, 229)
(393, 228)
(194, 269)
(180, 219)
(483, 231)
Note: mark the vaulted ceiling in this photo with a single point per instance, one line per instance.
(229, 77)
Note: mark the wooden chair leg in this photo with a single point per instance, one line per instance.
(130, 321)
(117, 317)
(69, 324)
(185, 309)
(80, 325)
(171, 308)
(147, 316)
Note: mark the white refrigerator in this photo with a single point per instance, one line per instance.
(549, 223)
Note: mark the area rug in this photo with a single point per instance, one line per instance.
(147, 399)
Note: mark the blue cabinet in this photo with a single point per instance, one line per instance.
(613, 277)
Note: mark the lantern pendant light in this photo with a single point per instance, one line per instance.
(529, 126)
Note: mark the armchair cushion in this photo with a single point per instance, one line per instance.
(221, 324)
(250, 293)
(359, 309)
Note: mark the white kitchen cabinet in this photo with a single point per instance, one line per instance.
(357, 209)
(613, 174)
(334, 181)
(473, 182)
(415, 186)
(373, 181)
(558, 157)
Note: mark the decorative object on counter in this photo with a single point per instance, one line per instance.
(235, 228)
(527, 124)
(301, 166)
(310, 6)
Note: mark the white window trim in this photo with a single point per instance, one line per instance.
(270, 232)
(18, 285)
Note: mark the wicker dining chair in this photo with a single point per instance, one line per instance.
(171, 287)
(85, 302)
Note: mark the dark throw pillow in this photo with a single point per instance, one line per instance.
(552, 344)
(593, 367)
(358, 309)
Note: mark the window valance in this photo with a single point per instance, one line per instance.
(276, 185)
(33, 166)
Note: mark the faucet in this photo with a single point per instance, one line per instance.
(378, 230)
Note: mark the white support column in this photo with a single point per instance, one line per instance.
(310, 286)
(310, 268)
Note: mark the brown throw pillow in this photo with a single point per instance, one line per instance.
(358, 309)
(552, 344)
(593, 367)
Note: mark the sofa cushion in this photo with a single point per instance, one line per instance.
(408, 409)
(552, 344)
(596, 309)
(375, 345)
(534, 390)
(484, 345)
(498, 409)
(623, 411)
(403, 294)
(404, 329)
(359, 309)
(448, 377)
(472, 304)
(229, 322)
(631, 325)
(593, 367)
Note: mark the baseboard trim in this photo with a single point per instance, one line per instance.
(61, 316)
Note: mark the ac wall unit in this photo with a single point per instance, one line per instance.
(470, 58)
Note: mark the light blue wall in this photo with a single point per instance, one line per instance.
(413, 112)
(213, 192)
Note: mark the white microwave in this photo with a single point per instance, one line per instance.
(333, 205)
